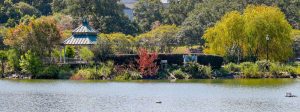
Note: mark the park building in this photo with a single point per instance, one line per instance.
(82, 36)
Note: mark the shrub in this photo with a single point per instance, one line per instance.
(65, 74)
(70, 51)
(106, 69)
(297, 70)
(86, 54)
(147, 64)
(263, 66)
(85, 74)
(250, 70)
(126, 72)
(30, 63)
(179, 74)
(123, 76)
(135, 75)
(232, 68)
(50, 72)
(282, 71)
(197, 71)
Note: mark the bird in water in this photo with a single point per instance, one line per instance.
(159, 102)
(289, 94)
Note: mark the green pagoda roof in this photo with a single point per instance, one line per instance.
(82, 35)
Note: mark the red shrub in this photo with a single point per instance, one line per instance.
(147, 64)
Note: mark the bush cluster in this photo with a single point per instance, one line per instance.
(262, 69)
(192, 71)
(107, 71)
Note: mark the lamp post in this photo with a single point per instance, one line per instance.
(268, 39)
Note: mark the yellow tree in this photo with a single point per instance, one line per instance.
(227, 35)
(265, 20)
(119, 42)
(162, 38)
(248, 33)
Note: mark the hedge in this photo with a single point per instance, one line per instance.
(211, 60)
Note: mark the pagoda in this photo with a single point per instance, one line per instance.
(82, 35)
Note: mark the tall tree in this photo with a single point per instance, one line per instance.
(162, 38)
(106, 15)
(40, 36)
(44, 6)
(26, 9)
(177, 11)
(248, 33)
(203, 16)
(146, 12)
(8, 13)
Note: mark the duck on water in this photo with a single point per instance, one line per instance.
(289, 94)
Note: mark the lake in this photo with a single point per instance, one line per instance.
(247, 95)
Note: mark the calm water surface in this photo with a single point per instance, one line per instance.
(266, 95)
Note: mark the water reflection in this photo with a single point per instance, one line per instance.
(254, 95)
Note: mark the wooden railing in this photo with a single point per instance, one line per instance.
(51, 60)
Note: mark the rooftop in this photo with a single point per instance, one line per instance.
(82, 35)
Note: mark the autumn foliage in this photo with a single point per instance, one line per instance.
(147, 64)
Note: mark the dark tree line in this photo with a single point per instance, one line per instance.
(195, 16)
(192, 16)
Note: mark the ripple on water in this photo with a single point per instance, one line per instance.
(196, 96)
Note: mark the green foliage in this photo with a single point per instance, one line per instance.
(250, 70)
(70, 51)
(56, 53)
(123, 76)
(30, 63)
(282, 71)
(260, 69)
(179, 74)
(84, 74)
(39, 36)
(115, 43)
(106, 69)
(13, 60)
(232, 68)
(106, 15)
(203, 16)
(119, 42)
(8, 13)
(177, 11)
(54, 72)
(146, 12)
(49, 72)
(197, 71)
(263, 66)
(26, 9)
(3, 59)
(245, 35)
(58, 6)
(162, 38)
(86, 54)
(296, 45)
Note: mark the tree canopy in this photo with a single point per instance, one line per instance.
(162, 38)
(245, 34)
(39, 35)
(106, 15)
